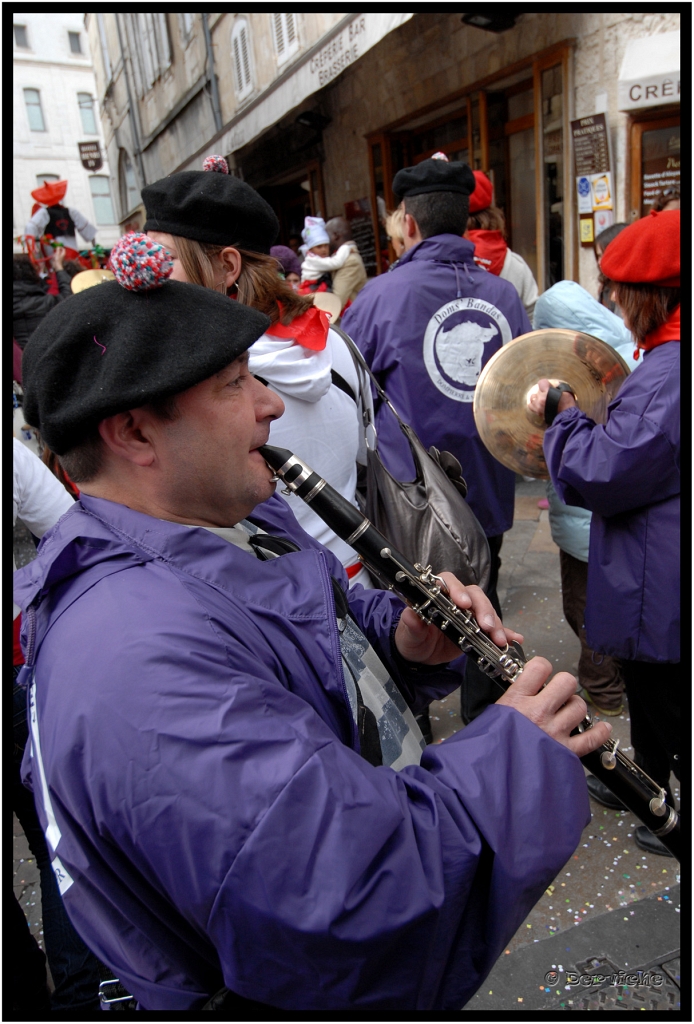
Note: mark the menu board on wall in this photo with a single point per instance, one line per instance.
(660, 163)
(594, 181)
(358, 213)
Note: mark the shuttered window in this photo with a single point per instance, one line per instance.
(286, 38)
(242, 58)
(150, 45)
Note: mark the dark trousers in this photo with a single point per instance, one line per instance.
(598, 673)
(653, 691)
(74, 968)
(478, 690)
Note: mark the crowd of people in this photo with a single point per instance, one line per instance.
(220, 713)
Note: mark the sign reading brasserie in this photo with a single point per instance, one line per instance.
(90, 155)
(594, 183)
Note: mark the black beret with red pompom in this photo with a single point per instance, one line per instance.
(128, 342)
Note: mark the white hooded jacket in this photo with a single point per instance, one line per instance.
(321, 423)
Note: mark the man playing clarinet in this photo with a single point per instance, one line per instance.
(223, 749)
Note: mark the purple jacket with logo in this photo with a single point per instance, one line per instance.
(628, 474)
(426, 330)
(197, 770)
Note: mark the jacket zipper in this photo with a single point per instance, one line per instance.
(31, 634)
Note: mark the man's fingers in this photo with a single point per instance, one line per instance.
(532, 678)
(559, 692)
(584, 742)
(570, 714)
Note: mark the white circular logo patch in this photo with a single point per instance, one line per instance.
(455, 341)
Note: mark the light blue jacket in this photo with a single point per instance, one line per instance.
(570, 306)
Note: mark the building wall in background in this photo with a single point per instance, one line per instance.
(48, 65)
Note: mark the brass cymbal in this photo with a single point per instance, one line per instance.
(513, 434)
(88, 278)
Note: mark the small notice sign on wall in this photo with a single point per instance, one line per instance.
(594, 182)
(358, 213)
(90, 155)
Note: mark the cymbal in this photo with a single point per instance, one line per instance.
(512, 433)
(88, 278)
(329, 303)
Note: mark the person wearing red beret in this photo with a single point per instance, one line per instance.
(486, 229)
(627, 473)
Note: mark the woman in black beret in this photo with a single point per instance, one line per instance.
(219, 233)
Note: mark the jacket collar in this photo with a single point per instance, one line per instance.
(444, 248)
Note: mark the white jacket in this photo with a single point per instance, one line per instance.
(517, 271)
(321, 423)
(38, 498)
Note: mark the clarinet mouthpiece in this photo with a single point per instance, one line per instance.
(275, 457)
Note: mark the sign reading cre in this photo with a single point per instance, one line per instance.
(90, 155)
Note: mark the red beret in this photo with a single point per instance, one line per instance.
(481, 198)
(647, 252)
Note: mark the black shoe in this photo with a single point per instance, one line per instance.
(599, 791)
(645, 840)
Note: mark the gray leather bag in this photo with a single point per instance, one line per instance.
(428, 518)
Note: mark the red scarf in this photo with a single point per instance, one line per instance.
(310, 330)
(669, 331)
(490, 250)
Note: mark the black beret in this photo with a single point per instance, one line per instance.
(107, 350)
(208, 206)
(434, 176)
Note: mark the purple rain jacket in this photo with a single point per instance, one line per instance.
(211, 815)
(426, 330)
(628, 474)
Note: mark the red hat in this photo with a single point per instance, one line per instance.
(647, 252)
(50, 193)
(481, 198)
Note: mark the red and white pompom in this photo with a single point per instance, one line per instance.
(440, 156)
(139, 263)
(215, 163)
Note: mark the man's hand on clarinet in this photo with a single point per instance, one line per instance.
(419, 642)
(556, 709)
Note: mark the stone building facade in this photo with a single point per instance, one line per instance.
(318, 111)
(54, 109)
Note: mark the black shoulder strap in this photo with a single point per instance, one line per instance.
(340, 382)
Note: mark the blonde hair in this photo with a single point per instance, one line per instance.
(258, 285)
(395, 224)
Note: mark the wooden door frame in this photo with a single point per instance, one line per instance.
(639, 123)
(315, 165)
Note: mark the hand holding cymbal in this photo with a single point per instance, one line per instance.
(537, 398)
(509, 404)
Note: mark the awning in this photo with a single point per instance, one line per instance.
(313, 70)
(650, 72)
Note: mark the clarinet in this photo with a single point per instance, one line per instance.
(427, 595)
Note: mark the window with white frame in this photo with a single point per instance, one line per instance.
(240, 45)
(75, 43)
(151, 48)
(286, 37)
(21, 39)
(41, 179)
(101, 197)
(32, 100)
(186, 22)
(86, 105)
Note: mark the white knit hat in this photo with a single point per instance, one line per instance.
(314, 232)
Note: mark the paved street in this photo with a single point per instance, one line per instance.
(609, 875)
(611, 901)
